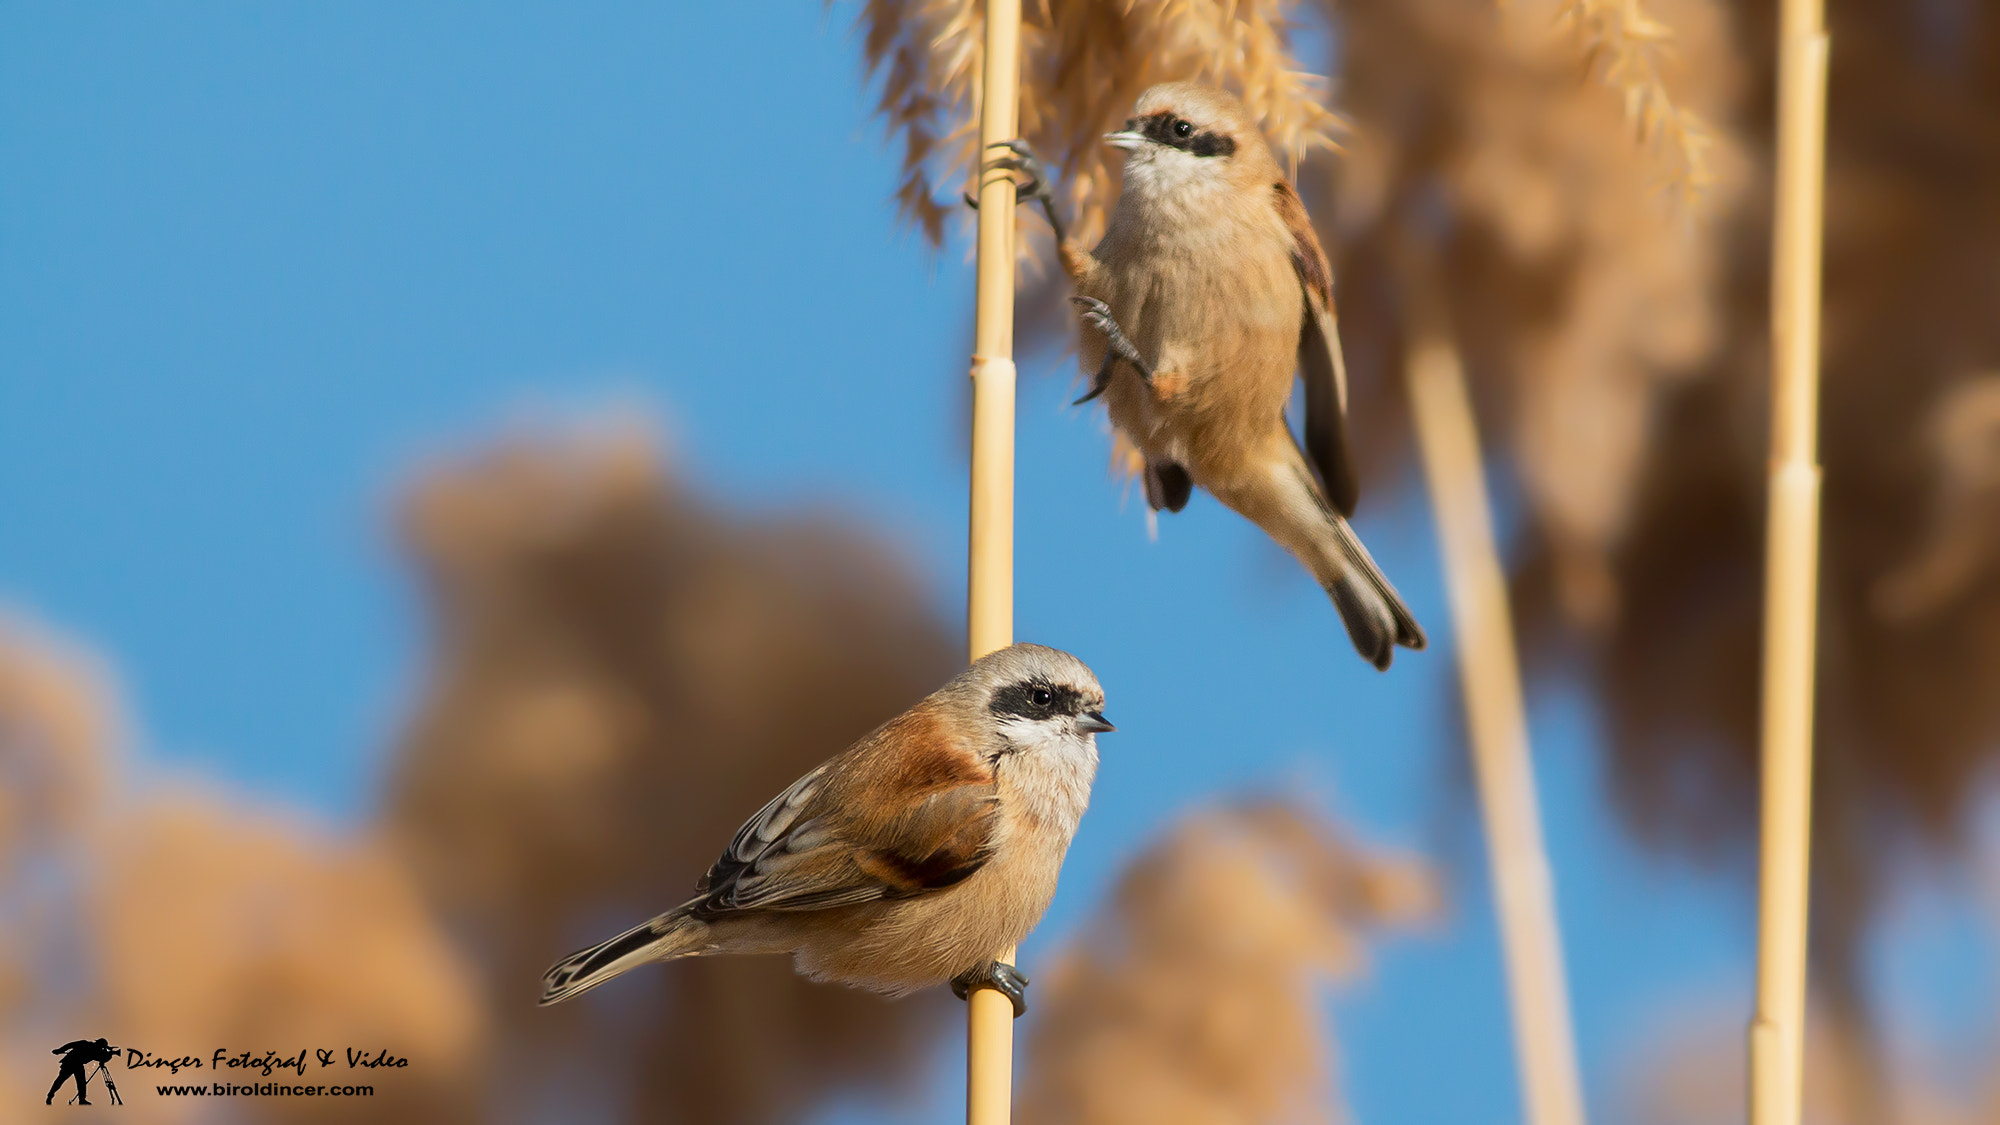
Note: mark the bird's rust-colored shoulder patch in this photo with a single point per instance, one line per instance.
(927, 817)
(1307, 257)
(935, 844)
(931, 755)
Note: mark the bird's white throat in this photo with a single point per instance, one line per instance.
(1170, 178)
(1049, 772)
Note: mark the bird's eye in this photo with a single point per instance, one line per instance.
(1183, 130)
(1042, 697)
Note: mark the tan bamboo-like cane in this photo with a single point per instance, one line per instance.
(990, 570)
(1791, 572)
(1523, 891)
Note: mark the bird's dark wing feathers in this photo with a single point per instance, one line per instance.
(762, 831)
(1320, 362)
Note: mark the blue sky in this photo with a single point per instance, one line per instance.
(260, 263)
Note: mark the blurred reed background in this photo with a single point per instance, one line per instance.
(617, 669)
(1584, 187)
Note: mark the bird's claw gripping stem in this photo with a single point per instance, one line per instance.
(999, 976)
(1097, 314)
(1035, 187)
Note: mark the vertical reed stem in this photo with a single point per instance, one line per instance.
(1523, 892)
(990, 570)
(1791, 562)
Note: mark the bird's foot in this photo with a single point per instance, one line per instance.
(1097, 314)
(1040, 186)
(1035, 187)
(998, 975)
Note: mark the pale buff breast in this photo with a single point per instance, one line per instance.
(903, 946)
(1191, 303)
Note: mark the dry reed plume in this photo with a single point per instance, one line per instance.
(180, 923)
(1083, 64)
(57, 729)
(1960, 542)
(1623, 46)
(1622, 361)
(58, 732)
(1190, 1000)
(1910, 597)
(217, 926)
(1578, 299)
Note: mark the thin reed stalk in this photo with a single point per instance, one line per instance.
(1523, 891)
(990, 567)
(1791, 572)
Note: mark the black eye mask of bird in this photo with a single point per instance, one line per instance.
(1178, 132)
(1035, 699)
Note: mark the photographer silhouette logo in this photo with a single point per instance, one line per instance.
(84, 1060)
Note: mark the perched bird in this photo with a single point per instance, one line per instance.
(908, 859)
(1207, 292)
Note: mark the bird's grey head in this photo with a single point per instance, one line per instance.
(1041, 698)
(1183, 139)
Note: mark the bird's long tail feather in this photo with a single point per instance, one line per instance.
(673, 934)
(1376, 618)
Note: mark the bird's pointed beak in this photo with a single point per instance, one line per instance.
(1093, 722)
(1126, 139)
